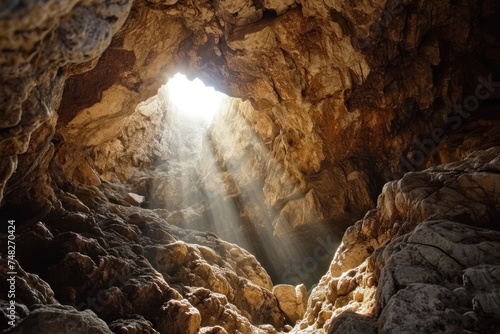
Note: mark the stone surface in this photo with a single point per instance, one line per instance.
(330, 116)
(432, 284)
(61, 319)
(134, 270)
(292, 300)
(410, 264)
(134, 199)
(330, 101)
(37, 41)
(136, 324)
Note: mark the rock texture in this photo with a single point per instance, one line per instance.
(342, 97)
(292, 300)
(420, 262)
(38, 39)
(133, 270)
(120, 205)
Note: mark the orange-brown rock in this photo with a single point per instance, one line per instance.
(131, 219)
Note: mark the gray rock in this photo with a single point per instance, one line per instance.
(59, 319)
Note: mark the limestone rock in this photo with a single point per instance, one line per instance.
(135, 325)
(139, 273)
(408, 266)
(292, 300)
(181, 317)
(315, 77)
(440, 296)
(419, 196)
(30, 288)
(60, 319)
(45, 38)
(332, 100)
(352, 323)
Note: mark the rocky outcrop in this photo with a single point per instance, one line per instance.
(292, 300)
(118, 224)
(61, 319)
(421, 261)
(37, 41)
(133, 270)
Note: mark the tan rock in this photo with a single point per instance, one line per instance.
(292, 300)
(406, 255)
(334, 98)
(134, 199)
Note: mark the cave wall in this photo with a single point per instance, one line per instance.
(345, 90)
(38, 41)
(420, 261)
(337, 99)
(341, 95)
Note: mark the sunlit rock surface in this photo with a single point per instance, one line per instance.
(292, 300)
(130, 220)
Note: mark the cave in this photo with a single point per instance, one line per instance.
(274, 166)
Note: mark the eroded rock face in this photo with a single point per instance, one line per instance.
(61, 319)
(292, 300)
(133, 270)
(342, 97)
(410, 265)
(37, 41)
(335, 95)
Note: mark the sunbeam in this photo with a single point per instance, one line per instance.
(216, 177)
(289, 254)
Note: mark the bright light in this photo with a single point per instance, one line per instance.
(193, 99)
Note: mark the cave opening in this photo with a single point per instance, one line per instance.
(213, 179)
(127, 207)
(192, 99)
(206, 183)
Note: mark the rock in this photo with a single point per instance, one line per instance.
(180, 317)
(132, 326)
(245, 286)
(352, 323)
(436, 288)
(292, 300)
(30, 288)
(103, 268)
(420, 261)
(75, 32)
(312, 77)
(329, 101)
(279, 7)
(135, 199)
(60, 319)
(213, 330)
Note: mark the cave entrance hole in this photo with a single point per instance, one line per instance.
(193, 100)
(194, 185)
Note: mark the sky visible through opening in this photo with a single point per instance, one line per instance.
(193, 99)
